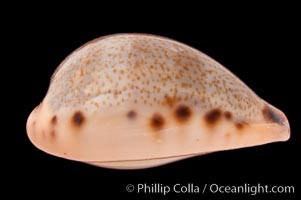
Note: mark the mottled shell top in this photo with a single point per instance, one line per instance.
(140, 97)
(108, 71)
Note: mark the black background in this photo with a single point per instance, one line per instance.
(259, 46)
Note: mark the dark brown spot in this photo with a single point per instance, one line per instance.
(157, 121)
(240, 125)
(78, 118)
(131, 114)
(271, 115)
(54, 120)
(228, 115)
(213, 116)
(183, 113)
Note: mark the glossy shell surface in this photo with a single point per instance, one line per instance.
(132, 101)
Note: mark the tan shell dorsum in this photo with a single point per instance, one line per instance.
(131, 101)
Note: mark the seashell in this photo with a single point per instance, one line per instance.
(130, 101)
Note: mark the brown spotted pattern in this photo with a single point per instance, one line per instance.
(149, 71)
(132, 101)
(271, 115)
(182, 113)
(131, 114)
(157, 121)
(54, 120)
(240, 125)
(78, 118)
(213, 116)
(228, 115)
